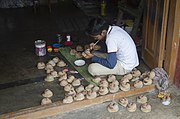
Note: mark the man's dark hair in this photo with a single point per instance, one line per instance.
(96, 26)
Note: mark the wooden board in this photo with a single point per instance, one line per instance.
(58, 107)
(65, 51)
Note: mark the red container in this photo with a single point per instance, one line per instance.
(56, 49)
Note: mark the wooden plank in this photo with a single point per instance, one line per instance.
(58, 107)
(65, 51)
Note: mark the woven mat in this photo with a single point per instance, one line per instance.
(65, 51)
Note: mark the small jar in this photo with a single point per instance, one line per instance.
(49, 48)
(59, 37)
(56, 49)
(40, 47)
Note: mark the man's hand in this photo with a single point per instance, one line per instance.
(91, 46)
(87, 56)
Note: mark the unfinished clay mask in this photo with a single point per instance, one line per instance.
(136, 73)
(87, 51)
(96, 79)
(68, 87)
(145, 107)
(113, 107)
(79, 96)
(125, 86)
(111, 78)
(80, 89)
(54, 74)
(47, 93)
(124, 80)
(79, 48)
(56, 59)
(91, 95)
(76, 82)
(45, 101)
(79, 55)
(123, 102)
(48, 66)
(49, 78)
(70, 78)
(128, 76)
(142, 99)
(73, 52)
(95, 89)
(89, 87)
(166, 100)
(63, 83)
(113, 88)
(131, 107)
(68, 99)
(62, 77)
(41, 65)
(147, 81)
(115, 82)
(151, 74)
(72, 93)
(61, 63)
(51, 62)
(138, 84)
(103, 83)
(103, 90)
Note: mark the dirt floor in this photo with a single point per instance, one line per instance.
(21, 83)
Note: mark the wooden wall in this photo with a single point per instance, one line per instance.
(177, 72)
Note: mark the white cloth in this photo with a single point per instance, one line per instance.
(119, 41)
(96, 69)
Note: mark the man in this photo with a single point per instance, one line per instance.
(121, 51)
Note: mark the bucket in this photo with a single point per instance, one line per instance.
(40, 47)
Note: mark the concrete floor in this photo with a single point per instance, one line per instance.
(159, 111)
(21, 84)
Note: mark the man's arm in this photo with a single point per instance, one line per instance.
(109, 62)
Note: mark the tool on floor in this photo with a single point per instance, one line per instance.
(73, 72)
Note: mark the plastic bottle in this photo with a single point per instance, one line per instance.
(59, 37)
(103, 8)
(68, 42)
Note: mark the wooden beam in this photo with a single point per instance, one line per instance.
(58, 107)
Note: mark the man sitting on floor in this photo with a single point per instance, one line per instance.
(121, 51)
